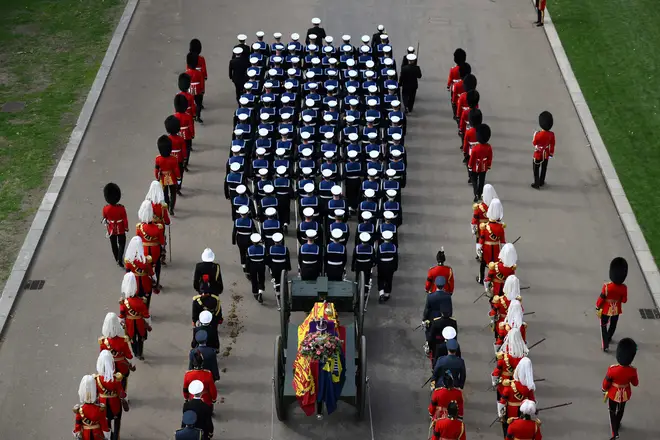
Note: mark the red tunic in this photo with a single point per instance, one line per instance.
(542, 5)
(498, 275)
(440, 400)
(201, 67)
(90, 421)
(161, 215)
(153, 237)
(449, 429)
(499, 306)
(481, 158)
(116, 219)
(167, 170)
(192, 107)
(521, 429)
(504, 368)
(465, 118)
(503, 330)
(210, 393)
(440, 271)
(197, 83)
(491, 236)
(454, 76)
(456, 91)
(618, 381)
(110, 392)
(134, 311)
(479, 211)
(513, 395)
(544, 145)
(120, 350)
(179, 149)
(143, 272)
(469, 140)
(461, 104)
(187, 131)
(611, 297)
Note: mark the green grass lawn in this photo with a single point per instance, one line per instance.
(50, 51)
(614, 48)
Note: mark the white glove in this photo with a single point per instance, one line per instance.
(494, 380)
(148, 321)
(501, 409)
(427, 350)
(479, 249)
(473, 228)
(106, 435)
(486, 283)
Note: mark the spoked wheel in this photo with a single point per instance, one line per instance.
(279, 375)
(361, 305)
(361, 379)
(285, 307)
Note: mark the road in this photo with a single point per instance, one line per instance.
(570, 231)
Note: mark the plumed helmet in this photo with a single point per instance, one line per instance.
(180, 103)
(472, 98)
(459, 56)
(112, 193)
(172, 125)
(192, 59)
(165, 146)
(475, 117)
(618, 270)
(626, 351)
(545, 120)
(483, 133)
(195, 46)
(184, 82)
(469, 82)
(464, 70)
(440, 256)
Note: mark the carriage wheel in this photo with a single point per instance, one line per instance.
(361, 379)
(279, 375)
(285, 307)
(361, 306)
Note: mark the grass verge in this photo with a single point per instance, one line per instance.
(613, 48)
(50, 51)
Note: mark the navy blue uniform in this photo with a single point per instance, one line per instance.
(243, 228)
(278, 260)
(388, 263)
(335, 261)
(256, 265)
(310, 260)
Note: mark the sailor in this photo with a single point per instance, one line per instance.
(451, 362)
(140, 265)
(470, 138)
(503, 268)
(110, 391)
(166, 170)
(443, 395)
(387, 225)
(459, 58)
(512, 351)
(210, 326)
(209, 359)
(179, 148)
(325, 189)
(284, 193)
(310, 258)
(134, 315)
(244, 227)
(161, 215)
(450, 427)
(353, 173)
(203, 411)
(270, 226)
(364, 259)
(241, 199)
(206, 301)
(404, 60)
(544, 148)
(392, 205)
(256, 265)
(387, 258)
(263, 46)
(188, 430)
(309, 200)
(618, 383)
(439, 302)
(491, 237)
(113, 338)
(115, 220)
(243, 114)
(341, 225)
(210, 393)
(524, 427)
(278, 260)
(335, 257)
(294, 47)
(369, 205)
(277, 36)
(440, 270)
(367, 224)
(153, 237)
(308, 223)
(337, 203)
(91, 422)
(408, 80)
(481, 160)
(515, 392)
(609, 303)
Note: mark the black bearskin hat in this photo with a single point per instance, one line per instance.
(448, 379)
(184, 82)
(483, 133)
(112, 193)
(464, 70)
(618, 270)
(440, 256)
(165, 146)
(626, 351)
(195, 46)
(475, 117)
(180, 103)
(172, 125)
(191, 60)
(197, 360)
(545, 120)
(452, 409)
(472, 98)
(469, 82)
(459, 56)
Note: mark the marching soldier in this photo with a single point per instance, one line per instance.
(134, 315)
(206, 301)
(110, 391)
(438, 302)
(524, 427)
(450, 362)
(179, 148)
(209, 359)
(459, 59)
(141, 266)
(238, 67)
(203, 411)
(618, 383)
(91, 422)
(501, 308)
(612, 296)
(187, 125)
(167, 172)
(513, 319)
(115, 220)
(183, 82)
(375, 38)
(241, 43)
(188, 431)
(335, 256)
(153, 237)
(278, 260)
(113, 339)
(515, 391)
(244, 227)
(310, 258)
(210, 393)
(440, 271)
(480, 211)
(161, 215)
(503, 268)
(475, 119)
(364, 259)
(512, 351)
(544, 148)
(209, 267)
(256, 265)
(442, 396)
(457, 87)
(387, 258)
(451, 427)
(197, 83)
(196, 48)
(206, 324)
(409, 51)
(316, 30)
(481, 160)
(540, 12)
(408, 80)
(448, 334)
(491, 237)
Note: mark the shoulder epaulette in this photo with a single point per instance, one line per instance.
(499, 355)
(102, 405)
(482, 225)
(506, 382)
(101, 338)
(160, 225)
(76, 408)
(119, 376)
(538, 422)
(164, 205)
(127, 338)
(511, 419)
(496, 298)
(504, 225)
(514, 266)
(475, 206)
(196, 297)
(137, 225)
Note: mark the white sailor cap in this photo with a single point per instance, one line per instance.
(264, 117)
(381, 28)
(391, 72)
(365, 236)
(347, 48)
(365, 49)
(331, 72)
(240, 189)
(238, 50)
(329, 134)
(326, 173)
(350, 62)
(261, 151)
(255, 46)
(391, 87)
(411, 57)
(309, 102)
(238, 132)
(268, 188)
(305, 134)
(285, 130)
(383, 36)
(280, 152)
(339, 212)
(411, 49)
(332, 103)
(260, 34)
(389, 215)
(287, 85)
(273, 72)
(365, 38)
(242, 116)
(243, 101)
(251, 73)
(388, 61)
(391, 192)
(277, 35)
(387, 49)
(387, 235)
(369, 74)
(336, 233)
(266, 99)
(235, 166)
(332, 60)
(396, 136)
(329, 155)
(279, 47)
(307, 118)
(395, 153)
(310, 233)
(313, 85)
(353, 102)
(263, 131)
(242, 37)
(307, 152)
(255, 238)
(350, 118)
(263, 172)
(291, 47)
(196, 386)
(352, 73)
(277, 237)
(335, 190)
(316, 20)
(366, 215)
(270, 212)
(243, 210)
(396, 103)
(374, 154)
(312, 37)
(369, 64)
(390, 172)
(308, 212)
(316, 60)
(371, 102)
(328, 118)
(372, 135)
(369, 193)
(351, 89)
(352, 154)
(353, 137)
(309, 74)
(329, 39)
(372, 171)
(235, 148)
(448, 333)
(308, 188)
(295, 37)
(346, 37)
(327, 49)
(248, 86)
(281, 170)
(372, 89)
(268, 85)
(395, 119)
(295, 60)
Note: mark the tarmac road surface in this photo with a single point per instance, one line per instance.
(570, 232)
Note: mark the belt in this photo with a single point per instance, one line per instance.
(616, 385)
(132, 318)
(184, 128)
(176, 151)
(119, 358)
(362, 261)
(386, 259)
(483, 220)
(244, 233)
(352, 178)
(115, 221)
(108, 396)
(96, 426)
(256, 261)
(492, 243)
(279, 261)
(150, 243)
(310, 262)
(335, 263)
(514, 403)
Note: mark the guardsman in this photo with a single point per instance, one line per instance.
(408, 80)
(91, 422)
(179, 148)
(203, 411)
(387, 258)
(134, 315)
(196, 48)
(317, 30)
(514, 319)
(256, 265)
(197, 83)
(113, 338)
(140, 265)
(442, 396)
(110, 391)
(278, 260)
(440, 271)
(153, 237)
(544, 148)
(116, 221)
(612, 296)
(206, 301)
(454, 76)
(183, 83)
(618, 383)
(244, 227)
(310, 259)
(206, 323)
(335, 256)
(500, 308)
(469, 85)
(471, 103)
(364, 258)
(503, 268)
(457, 87)
(159, 208)
(512, 351)
(209, 359)
(540, 12)
(210, 393)
(515, 392)
(450, 427)
(188, 430)
(209, 267)
(491, 237)
(481, 160)
(166, 171)
(480, 212)
(186, 123)
(475, 119)
(524, 427)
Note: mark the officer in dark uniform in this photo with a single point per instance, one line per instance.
(364, 259)
(353, 175)
(316, 29)
(408, 80)
(209, 267)
(278, 259)
(242, 38)
(310, 258)
(410, 51)
(243, 227)
(335, 257)
(189, 432)
(209, 359)
(203, 411)
(205, 323)
(238, 67)
(387, 259)
(256, 265)
(375, 38)
(206, 301)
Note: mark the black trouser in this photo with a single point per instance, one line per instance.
(478, 182)
(540, 15)
(482, 268)
(353, 193)
(124, 380)
(157, 267)
(239, 89)
(257, 276)
(334, 272)
(169, 191)
(284, 209)
(409, 95)
(188, 149)
(182, 168)
(118, 243)
(309, 272)
(199, 99)
(608, 333)
(242, 250)
(616, 414)
(114, 421)
(385, 277)
(542, 166)
(137, 341)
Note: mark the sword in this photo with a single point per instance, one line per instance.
(169, 237)
(525, 288)
(417, 48)
(528, 313)
(529, 348)
(429, 380)
(516, 240)
(493, 422)
(492, 387)
(480, 296)
(554, 406)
